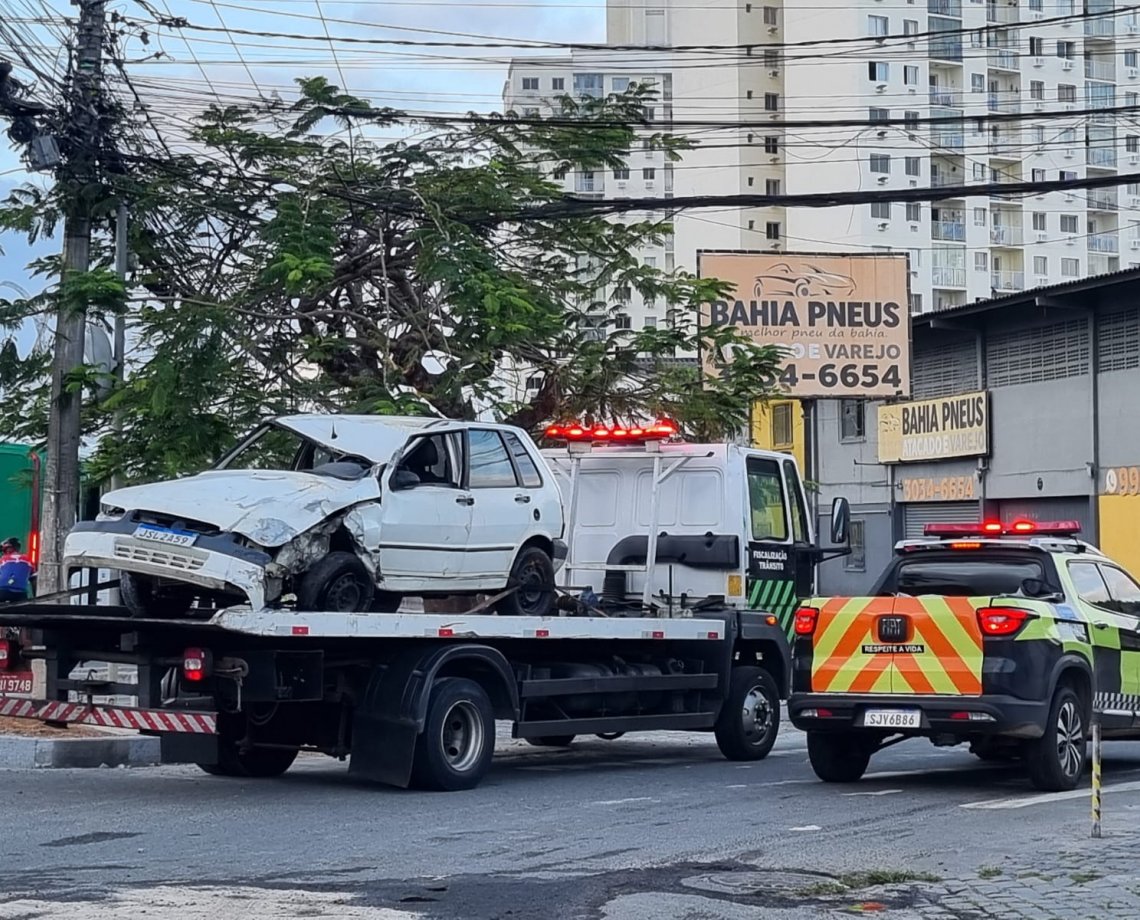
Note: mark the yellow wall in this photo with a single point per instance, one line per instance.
(1120, 530)
(762, 428)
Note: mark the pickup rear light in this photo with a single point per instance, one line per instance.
(805, 621)
(196, 665)
(1001, 621)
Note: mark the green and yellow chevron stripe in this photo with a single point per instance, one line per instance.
(775, 596)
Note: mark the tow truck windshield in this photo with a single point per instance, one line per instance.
(956, 575)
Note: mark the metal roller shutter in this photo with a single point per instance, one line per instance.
(1050, 509)
(916, 516)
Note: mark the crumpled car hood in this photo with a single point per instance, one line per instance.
(268, 507)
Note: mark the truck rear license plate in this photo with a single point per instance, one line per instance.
(165, 535)
(892, 718)
(16, 682)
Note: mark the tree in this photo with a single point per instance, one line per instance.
(295, 262)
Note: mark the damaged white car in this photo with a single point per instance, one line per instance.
(339, 513)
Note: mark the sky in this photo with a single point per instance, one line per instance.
(178, 71)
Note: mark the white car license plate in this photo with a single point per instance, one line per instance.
(892, 718)
(165, 535)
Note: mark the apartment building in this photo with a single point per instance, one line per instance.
(1045, 58)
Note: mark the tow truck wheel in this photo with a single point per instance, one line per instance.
(533, 576)
(339, 583)
(454, 751)
(1056, 760)
(255, 763)
(749, 720)
(838, 757)
(551, 741)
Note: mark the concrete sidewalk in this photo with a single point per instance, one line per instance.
(112, 750)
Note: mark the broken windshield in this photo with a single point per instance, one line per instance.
(272, 447)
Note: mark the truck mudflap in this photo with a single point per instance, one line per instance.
(149, 720)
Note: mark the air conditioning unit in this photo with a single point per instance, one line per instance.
(1042, 236)
(1134, 158)
(649, 183)
(775, 159)
(882, 133)
(1131, 73)
(881, 88)
(1134, 244)
(1039, 62)
(1069, 197)
(1070, 106)
(1039, 107)
(1038, 15)
(1069, 154)
(773, 115)
(912, 89)
(914, 183)
(621, 183)
(883, 180)
(1134, 201)
(1066, 64)
(772, 30)
(774, 72)
(883, 225)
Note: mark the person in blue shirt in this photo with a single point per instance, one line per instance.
(15, 572)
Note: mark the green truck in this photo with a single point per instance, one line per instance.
(21, 476)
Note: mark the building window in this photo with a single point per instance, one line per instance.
(771, 102)
(560, 173)
(880, 210)
(1070, 268)
(913, 166)
(878, 26)
(878, 71)
(1036, 89)
(771, 15)
(772, 230)
(622, 173)
(913, 211)
(649, 173)
(910, 75)
(622, 321)
(1039, 220)
(1040, 265)
(1036, 46)
(1038, 175)
(979, 172)
(979, 217)
(981, 261)
(910, 27)
(771, 58)
(619, 84)
(1068, 223)
(1132, 143)
(1066, 93)
(530, 83)
(650, 322)
(558, 83)
(856, 560)
(978, 82)
(589, 84)
(1130, 58)
(782, 425)
(534, 382)
(910, 120)
(852, 420)
(880, 163)
(772, 186)
(1065, 50)
(1066, 175)
(915, 303)
(771, 144)
(878, 114)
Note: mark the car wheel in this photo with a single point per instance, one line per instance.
(839, 757)
(532, 576)
(1057, 759)
(338, 583)
(551, 741)
(802, 289)
(144, 597)
(749, 720)
(455, 749)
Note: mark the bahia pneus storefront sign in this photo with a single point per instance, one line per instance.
(842, 319)
(935, 429)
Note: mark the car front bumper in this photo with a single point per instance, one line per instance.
(940, 715)
(213, 563)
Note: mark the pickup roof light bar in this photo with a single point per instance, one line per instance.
(660, 430)
(998, 529)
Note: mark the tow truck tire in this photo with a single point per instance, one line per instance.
(749, 720)
(339, 583)
(454, 751)
(552, 741)
(256, 763)
(838, 757)
(533, 574)
(1057, 759)
(144, 598)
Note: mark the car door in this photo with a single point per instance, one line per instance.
(425, 516)
(1109, 631)
(1124, 596)
(501, 510)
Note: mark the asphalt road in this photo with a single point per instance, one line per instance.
(652, 826)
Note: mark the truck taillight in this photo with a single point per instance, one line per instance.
(7, 655)
(805, 621)
(1001, 621)
(196, 664)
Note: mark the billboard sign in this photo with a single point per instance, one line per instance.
(935, 429)
(841, 318)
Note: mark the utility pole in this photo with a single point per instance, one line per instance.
(78, 175)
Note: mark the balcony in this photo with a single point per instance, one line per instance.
(1004, 102)
(1100, 70)
(945, 276)
(1001, 13)
(1007, 281)
(1104, 242)
(1102, 156)
(952, 230)
(1006, 146)
(937, 180)
(1103, 199)
(1005, 235)
(1103, 27)
(1005, 196)
(589, 185)
(952, 8)
(946, 49)
(948, 140)
(946, 99)
(1003, 59)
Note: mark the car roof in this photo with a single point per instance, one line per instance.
(1055, 545)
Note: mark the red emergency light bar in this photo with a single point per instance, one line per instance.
(660, 430)
(997, 529)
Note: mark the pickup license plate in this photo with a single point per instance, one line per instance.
(165, 535)
(892, 718)
(16, 682)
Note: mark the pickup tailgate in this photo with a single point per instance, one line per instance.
(896, 645)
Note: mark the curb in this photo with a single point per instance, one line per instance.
(18, 753)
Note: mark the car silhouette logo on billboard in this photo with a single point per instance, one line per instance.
(781, 280)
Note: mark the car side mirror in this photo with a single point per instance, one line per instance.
(840, 522)
(404, 479)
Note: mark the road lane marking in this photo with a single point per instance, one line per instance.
(1046, 798)
(806, 827)
(876, 792)
(641, 798)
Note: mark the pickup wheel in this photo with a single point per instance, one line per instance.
(144, 597)
(749, 720)
(839, 757)
(455, 749)
(1056, 760)
(552, 741)
(533, 576)
(339, 583)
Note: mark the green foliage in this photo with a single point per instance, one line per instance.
(295, 263)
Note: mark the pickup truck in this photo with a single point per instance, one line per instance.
(1007, 637)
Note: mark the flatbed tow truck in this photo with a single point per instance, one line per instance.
(411, 698)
